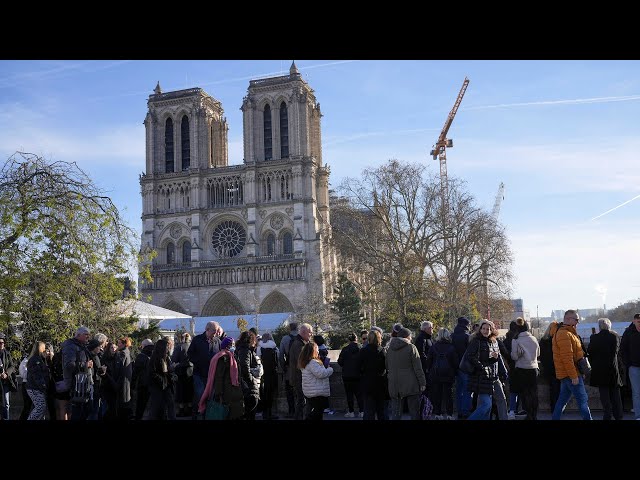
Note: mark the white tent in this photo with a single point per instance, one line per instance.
(265, 322)
(146, 312)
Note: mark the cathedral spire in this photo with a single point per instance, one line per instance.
(157, 90)
(293, 70)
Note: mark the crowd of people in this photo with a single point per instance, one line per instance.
(97, 379)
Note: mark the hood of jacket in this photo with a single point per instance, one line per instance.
(397, 343)
(267, 344)
(461, 329)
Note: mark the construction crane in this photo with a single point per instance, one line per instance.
(499, 198)
(440, 148)
(494, 214)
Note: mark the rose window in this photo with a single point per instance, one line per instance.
(228, 239)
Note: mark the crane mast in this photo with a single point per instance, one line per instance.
(494, 214)
(499, 198)
(440, 148)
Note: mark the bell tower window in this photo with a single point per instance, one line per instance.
(268, 154)
(168, 146)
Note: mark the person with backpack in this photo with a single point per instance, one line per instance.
(547, 368)
(348, 360)
(460, 340)
(405, 375)
(268, 353)
(285, 345)
(140, 381)
(442, 363)
(567, 351)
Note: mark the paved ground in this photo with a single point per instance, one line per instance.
(545, 415)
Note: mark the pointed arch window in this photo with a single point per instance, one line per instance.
(284, 131)
(268, 153)
(271, 244)
(171, 253)
(287, 244)
(186, 252)
(168, 146)
(186, 149)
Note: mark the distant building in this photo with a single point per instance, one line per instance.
(519, 310)
(558, 315)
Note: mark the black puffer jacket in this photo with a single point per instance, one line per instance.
(460, 339)
(246, 361)
(348, 360)
(630, 347)
(485, 373)
(371, 363)
(444, 371)
(37, 374)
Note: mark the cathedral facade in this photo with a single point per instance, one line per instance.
(237, 239)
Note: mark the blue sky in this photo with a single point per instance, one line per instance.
(563, 136)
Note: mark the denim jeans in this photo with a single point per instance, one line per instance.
(634, 377)
(513, 402)
(5, 410)
(566, 390)
(199, 384)
(483, 408)
(463, 396)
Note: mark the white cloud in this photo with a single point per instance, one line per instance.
(122, 145)
(574, 101)
(583, 165)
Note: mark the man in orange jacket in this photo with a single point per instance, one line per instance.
(567, 350)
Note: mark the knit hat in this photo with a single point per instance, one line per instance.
(378, 329)
(397, 327)
(404, 333)
(226, 343)
(463, 321)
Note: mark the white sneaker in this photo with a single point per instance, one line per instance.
(361, 414)
(450, 417)
(349, 415)
(511, 415)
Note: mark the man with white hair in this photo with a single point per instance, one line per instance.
(603, 354)
(76, 358)
(202, 349)
(295, 374)
(423, 344)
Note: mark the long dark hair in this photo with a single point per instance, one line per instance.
(159, 354)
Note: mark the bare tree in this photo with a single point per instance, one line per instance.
(391, 228)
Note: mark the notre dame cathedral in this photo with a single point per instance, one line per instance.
(236, 239)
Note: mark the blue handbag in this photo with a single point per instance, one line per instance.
(216, 410)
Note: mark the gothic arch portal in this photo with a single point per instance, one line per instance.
(222, 303)
(175, 306)
(276, 302)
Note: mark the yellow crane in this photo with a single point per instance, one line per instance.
(440, 148)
